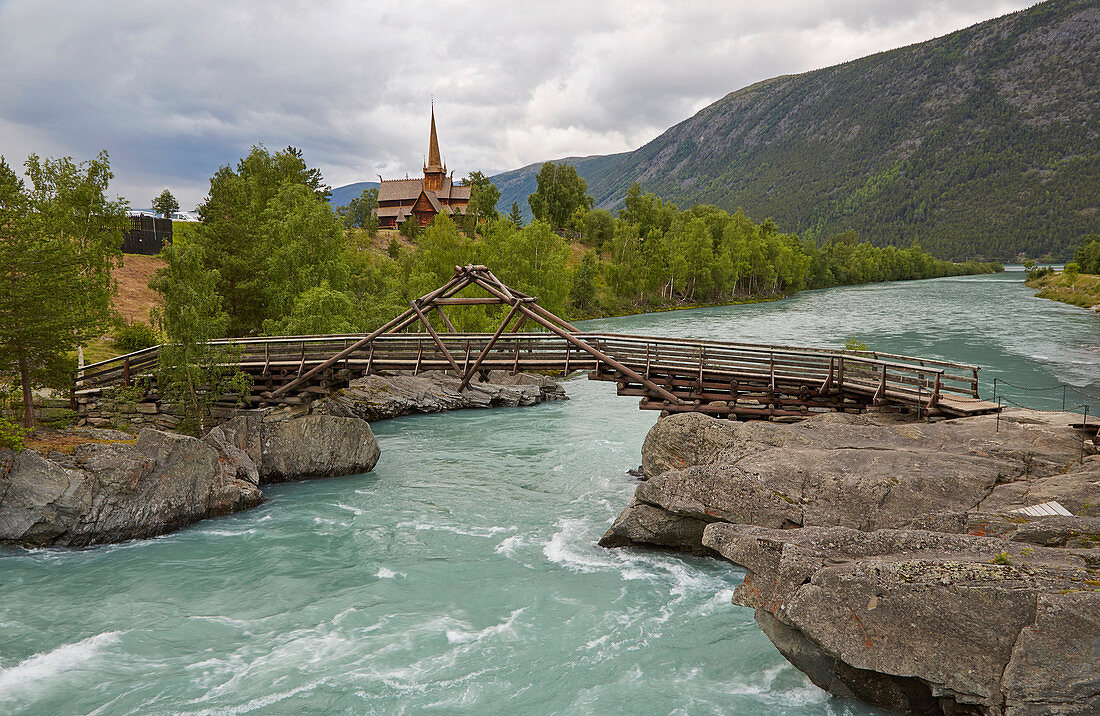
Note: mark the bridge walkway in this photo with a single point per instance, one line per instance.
(721, 378)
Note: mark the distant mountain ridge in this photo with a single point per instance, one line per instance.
(341, 195)
(981, 143)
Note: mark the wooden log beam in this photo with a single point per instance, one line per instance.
(542, 312)
(466, 301)
(446, 321)
(488, 347)
(519, 324)
(456, 284)
(600, 355)
(435, 337)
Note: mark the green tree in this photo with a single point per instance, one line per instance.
(359, 212)
(319, 310)
(516, 216)
(561, 191)
(1070, 271)
(484, 196)
(165, 204)
(267, 222)
(59, 240)
(1088, 255)
(599, 227)
(192, 374)
(583, 292)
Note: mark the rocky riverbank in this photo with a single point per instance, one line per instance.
(95, 486)
(378, 397)
(886, 558)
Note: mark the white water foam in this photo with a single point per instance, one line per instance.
(457, 636)
(508, 545)
(384, 573)
(228, 533)
(46, 665)
(467, 531)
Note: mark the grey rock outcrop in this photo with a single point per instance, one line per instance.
(378, 397)
(920, 621)
(851, 471)
(114, 491)
(116, 487)
(885, 557)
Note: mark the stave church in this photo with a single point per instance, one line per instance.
(436, 193)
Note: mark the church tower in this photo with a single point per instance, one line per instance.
(434, 171)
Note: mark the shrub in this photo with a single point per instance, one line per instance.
(134, 336)
(11, 435)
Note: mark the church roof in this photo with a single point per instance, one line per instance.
(399, 189)
(407, 190)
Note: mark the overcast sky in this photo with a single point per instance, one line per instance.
(173, 90)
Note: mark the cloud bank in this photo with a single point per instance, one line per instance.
(175, 90)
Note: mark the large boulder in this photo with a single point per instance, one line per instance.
(925, 622)
(313, 446)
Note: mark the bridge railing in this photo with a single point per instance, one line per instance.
(875, 374)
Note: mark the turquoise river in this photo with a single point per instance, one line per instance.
(462, 575)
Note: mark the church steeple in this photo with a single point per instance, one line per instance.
(434, 171)
(434, 162)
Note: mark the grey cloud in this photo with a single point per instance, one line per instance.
(175, 90)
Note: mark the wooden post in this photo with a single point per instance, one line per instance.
(303, 363)
(370, 360)
(824, 389)
(466, 363)
(126, 371)
(419, 357)
(267, 358)
(515, 365)
(567, 350)
(880, 394)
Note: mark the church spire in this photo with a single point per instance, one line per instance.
(434, 162)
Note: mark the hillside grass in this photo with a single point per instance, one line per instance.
(1084, 292)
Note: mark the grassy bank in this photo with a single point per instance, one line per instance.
(1084, 291)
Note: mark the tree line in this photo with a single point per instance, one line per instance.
(272, 257)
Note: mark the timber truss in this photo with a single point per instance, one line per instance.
(523, 308)
(720, 378)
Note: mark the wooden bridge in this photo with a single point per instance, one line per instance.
(725, 379)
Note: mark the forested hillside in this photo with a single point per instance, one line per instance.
(982, 143)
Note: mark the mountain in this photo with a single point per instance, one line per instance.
(341, 195)
(981, 143)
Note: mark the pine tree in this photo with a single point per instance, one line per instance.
(516, 217)
(165, 204)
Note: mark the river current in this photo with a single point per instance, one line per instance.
(462, 575)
